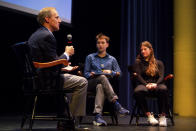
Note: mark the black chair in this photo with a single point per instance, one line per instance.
(40, 81)
(136, 112)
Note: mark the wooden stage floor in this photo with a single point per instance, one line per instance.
(12, 123)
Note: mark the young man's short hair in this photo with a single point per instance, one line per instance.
(102, 36)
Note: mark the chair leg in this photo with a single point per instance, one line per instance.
(138, 115)
(132, 114)
(171, 117)
(137, 120)
(71, 120)
(170, 113)
(67, 108)
(23, 121)
(25, 115)
(80, 119)
(114, 117)
(33, 113)
(31, 124)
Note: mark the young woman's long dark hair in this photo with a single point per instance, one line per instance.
(153, 67)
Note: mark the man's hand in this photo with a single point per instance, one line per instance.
(69, 50)
(107, 71)
(70, 68)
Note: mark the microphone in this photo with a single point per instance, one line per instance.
(69, 38)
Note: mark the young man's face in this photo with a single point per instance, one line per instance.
(102, 45)
(54, 21)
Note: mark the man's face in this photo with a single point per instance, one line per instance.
(54, 21)
(102, 45)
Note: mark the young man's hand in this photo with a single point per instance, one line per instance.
(107, 71)
(92, 74)
(117, 73)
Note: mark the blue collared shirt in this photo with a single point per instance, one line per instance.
(96, 64)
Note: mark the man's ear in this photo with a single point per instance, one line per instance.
(47, 19)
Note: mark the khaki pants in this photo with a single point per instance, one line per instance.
(103, 89)
(78, 100)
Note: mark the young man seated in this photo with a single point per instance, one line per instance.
(98, 67)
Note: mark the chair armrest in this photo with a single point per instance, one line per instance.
(79, 73)
(133, 75)
(170, 76)
(50, 64)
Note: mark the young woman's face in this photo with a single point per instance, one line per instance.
(145, 51)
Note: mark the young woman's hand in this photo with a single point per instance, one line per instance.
(151, 86)
(148, 86)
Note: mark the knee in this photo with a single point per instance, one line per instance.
(162, 87)
(140, 88)
(103, 77)
(84, 82)
(98, 86)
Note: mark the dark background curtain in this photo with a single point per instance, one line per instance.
(142, 20)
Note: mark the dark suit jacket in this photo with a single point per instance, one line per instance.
(42, 45)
